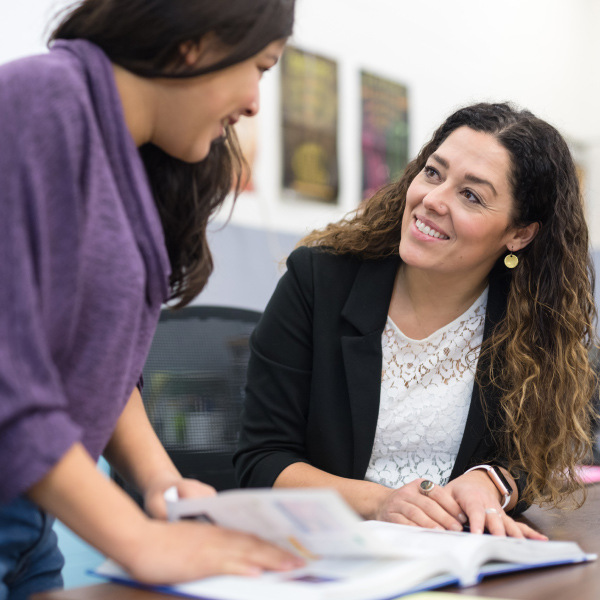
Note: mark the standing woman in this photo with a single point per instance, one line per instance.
(116, 148)
(428, 355)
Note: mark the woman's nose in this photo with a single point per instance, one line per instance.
(436, 200)
(253, 105)
(251, 109)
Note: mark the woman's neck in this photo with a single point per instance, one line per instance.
(136, 95)
(423, 302)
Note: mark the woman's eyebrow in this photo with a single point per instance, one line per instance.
(475, 179)
(469, 177)
(440, 160)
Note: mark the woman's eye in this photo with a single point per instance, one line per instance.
(430, 172)
(471, 197)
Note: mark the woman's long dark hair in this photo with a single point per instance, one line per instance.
(539, 354)
(145, 37)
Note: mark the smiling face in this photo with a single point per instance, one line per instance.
(193, 112)
(458, 216)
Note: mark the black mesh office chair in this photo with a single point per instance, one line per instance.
(194, 381)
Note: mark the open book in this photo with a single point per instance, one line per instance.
(348, 558)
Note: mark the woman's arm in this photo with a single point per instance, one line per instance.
(404, 505)
(463, 500)
(137, 454)
(365, 497)
(280, 370)
(152, 551)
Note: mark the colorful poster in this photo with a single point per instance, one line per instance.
(309, 113)
(384, 131)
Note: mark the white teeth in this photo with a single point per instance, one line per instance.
(429, 231)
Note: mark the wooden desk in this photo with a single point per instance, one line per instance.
(569, 582)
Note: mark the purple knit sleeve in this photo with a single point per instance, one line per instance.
(35, 426)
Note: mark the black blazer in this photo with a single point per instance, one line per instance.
(314, 374)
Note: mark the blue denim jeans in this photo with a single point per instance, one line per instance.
(30, 560)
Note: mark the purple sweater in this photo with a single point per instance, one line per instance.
(83, 264)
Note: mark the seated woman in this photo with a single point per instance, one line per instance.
(427, 356)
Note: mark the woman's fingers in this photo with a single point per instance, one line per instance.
(494, 521)
(449, 508)
(154, 499)
(529, 532)
(183, 551)
(497, 522)
(192, 488)
(261, 555)
(482, 517)
(436, 509)
(449, 505)
(401, 519)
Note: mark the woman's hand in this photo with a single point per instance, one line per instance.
(154, 498)
(185, 550)
(479, 500)
(409, 506)
(151, 550)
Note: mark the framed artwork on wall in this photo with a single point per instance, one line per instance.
(309, 96)
(384, 131)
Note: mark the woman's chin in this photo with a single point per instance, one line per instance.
(195, 155)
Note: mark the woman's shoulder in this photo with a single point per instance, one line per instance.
(41, 77)
(38, 92)
(48, 117)
(323, 257)
(318, 267)
(319, 263)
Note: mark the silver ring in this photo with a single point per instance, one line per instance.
(426, 486)
(492, 511)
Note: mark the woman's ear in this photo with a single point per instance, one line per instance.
(203, 53)
(191, 52)
(522, 236)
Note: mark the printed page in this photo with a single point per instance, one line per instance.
(325, 579)
(310, 522)
(470, 552)
(422, 542)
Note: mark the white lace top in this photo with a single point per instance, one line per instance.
(426, 388)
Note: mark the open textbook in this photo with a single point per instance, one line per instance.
(348, 558)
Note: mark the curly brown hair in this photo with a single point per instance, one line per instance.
(539, 353)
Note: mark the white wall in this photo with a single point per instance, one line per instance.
(23, 26)
(539, 53)
(586, 107)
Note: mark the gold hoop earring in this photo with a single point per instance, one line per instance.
(511, 261)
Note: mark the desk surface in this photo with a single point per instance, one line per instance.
(569, 582)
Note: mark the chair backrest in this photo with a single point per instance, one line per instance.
(194, 380)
